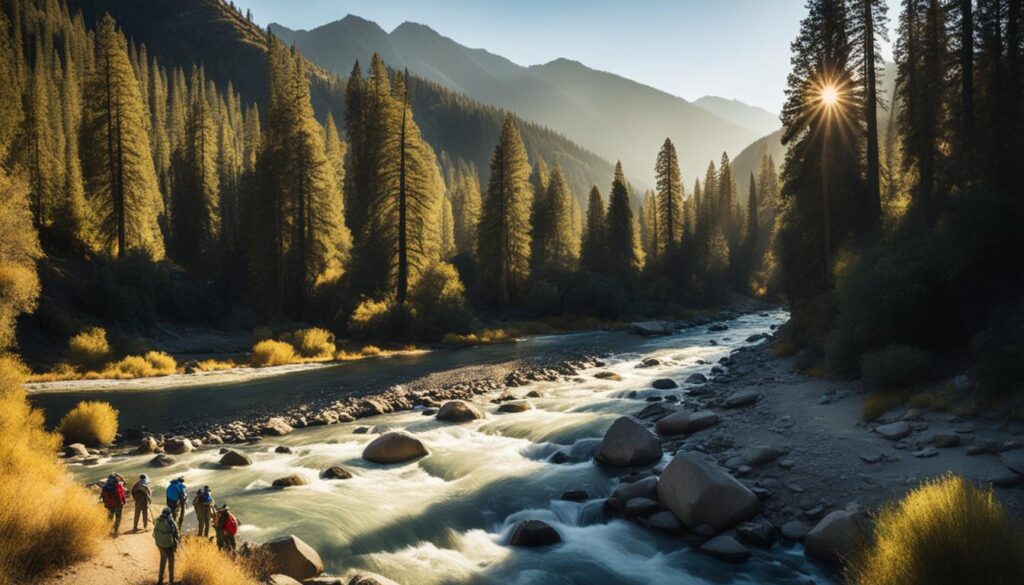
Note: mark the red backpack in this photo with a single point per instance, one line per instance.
(110, 497)
(230, 525)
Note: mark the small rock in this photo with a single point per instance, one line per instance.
(276, 427)
(640, 507)
(606, 375)
(394, 447)
(725, 548)
(335, 472)
(575, 496)
(837, 536)
(760, 455)
(696, 379)
(946, 440)
(760, 534)
(665, 521)
(290, 556)
(289, 481)
(664, 384)
(281, 449)
(513, 407)
(894, 431)
(162, 460)
(177, 446)
(926, 452)
(740, 399)
(235, 459)
(458, 411)
(533, 533)
(794, 530)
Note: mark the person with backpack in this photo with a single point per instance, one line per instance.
(226, 526)
(113, 497)
(142, 495)
(177, 499)
(165, 535)
(204, 506)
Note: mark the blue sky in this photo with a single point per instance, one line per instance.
(732, 48)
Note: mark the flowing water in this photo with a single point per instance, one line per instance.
(443, 519)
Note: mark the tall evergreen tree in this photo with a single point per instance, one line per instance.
(622, 250)
(868, 22)
(559, 251)
(670, 201)
(465, 202)
(593, 247)
(503, 235)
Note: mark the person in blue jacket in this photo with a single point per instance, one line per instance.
(177, 499)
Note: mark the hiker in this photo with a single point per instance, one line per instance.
(226, 526)
(177, 499)
(203, 505)
(113, 498)
(142, 495)
(165, 535)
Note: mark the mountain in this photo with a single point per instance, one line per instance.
(753, 118)
(617, 118)
(749, 159)
(232, 49)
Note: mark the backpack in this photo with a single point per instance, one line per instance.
(230, 525)
(204, 497)
(110, 497)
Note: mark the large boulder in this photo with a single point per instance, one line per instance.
(290, 556)
(699, 492)
(276, 427)
(458, 411)
(289, 481)
(146, 445)
(838, 536)
(161, 460)
(628, 443)
(725, 548)
(177, 446)
(682, 423)
(894, 431)
(517, 406)
(394, 447)
(664, 384)
(235, 459)
(76, 450)
(282, 580)
(533, 533)
(696, 379)
(335, 472)
(370, 579)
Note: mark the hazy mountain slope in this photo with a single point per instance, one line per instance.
(209, 32)
(615, 117)
(757, 120)
(749, 160)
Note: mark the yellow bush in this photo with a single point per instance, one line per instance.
(487, 336)
(371, 320)
(272, 353)
(89, 349)
(162, 364)
(89, 423)
(201, 563)
(370, 351)
(213, 365)
(314, 342)
(946, 531)
(70, 526)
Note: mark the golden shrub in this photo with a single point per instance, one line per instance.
(371, 320)
(162, 363)
(272, 353)
(70, 526)
(947, 531)
(314, 342)
(202, 563)
(89, 349)
(89, 423)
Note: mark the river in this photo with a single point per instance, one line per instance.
(443, 519)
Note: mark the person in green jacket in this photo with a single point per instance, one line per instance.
(165, 535)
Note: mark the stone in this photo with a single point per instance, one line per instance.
(644, 488)
(282, 580)
(725, 548)
(290, 556)
(575, 496)
(513, 407)
(837, 536)
(665, 521)
(926, 452)
(946, 440)
(394, 447)
(664, 384)
(1007, 479)
(894, 431)
(533, 533)
(650, 328)
(370, 579)
(276, 427)
(649, 363)
(640, 508)
(696, 379)
(162, 460)
(458, 411)
(794, 530)
(235, 459)
(335, 472)
(283, 450)
(627, 443)
(760, 534)
(717, 327)
(681, 423)
(760, 455)
(1014, 461)
(656, 411)
(323, 581)
(76, 450)
(606, 375)
(177, 446)
(146, 445)
(289, 481)
(740, 399)
(871, 459)
(699, 492)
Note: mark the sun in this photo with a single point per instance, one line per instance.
(829, 96)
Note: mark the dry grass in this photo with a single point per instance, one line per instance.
(69, 526)
(201, 563)
(154, 363)
(878, 403)
(485, 337)
(946, 531)
(89, 423)
(89, 349)
(314, 343)
(273, 353)
(214, 365)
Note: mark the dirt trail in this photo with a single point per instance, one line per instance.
(130, 559)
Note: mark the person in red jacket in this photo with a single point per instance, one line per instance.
(226, 526)
(113, 498)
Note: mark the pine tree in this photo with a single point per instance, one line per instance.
(465, 207)
(540, 220)
(11, 113)
(121, 185)
(39, 148)
(869, 24)
(622, 250)
(446, 229)
(752, 235)
(669, 202)
(71, 217)
(560, 249)
(593, 246)
(503, 235)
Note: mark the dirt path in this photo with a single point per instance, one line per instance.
(130, 559)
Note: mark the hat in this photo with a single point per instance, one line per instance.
(166, 512)
(143, 476)
(222, 507)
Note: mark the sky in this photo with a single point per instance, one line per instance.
(737, 49)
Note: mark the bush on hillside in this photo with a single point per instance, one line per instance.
(371, 320)
(438, 302)
(89, 423)
(314, 342)
(154, 363)
(70, 526)
(89, 349)
(896, 366)
(270, 352)
(945, 532)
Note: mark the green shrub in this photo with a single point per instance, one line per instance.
(896, 366)
(999, 351)
(89, 349)
(946, 531)
(272, 353)
(314, 342)
(371, 320)
(438, 303)
(89, 423)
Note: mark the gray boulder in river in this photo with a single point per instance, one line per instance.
(290, 556)
(394, 447)
(533, 533)
(628, 443)
(458, 411)
(838, 536)
(235, 459)
(177, 446)
(370, 579)
(686, 422)
(699, 492)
